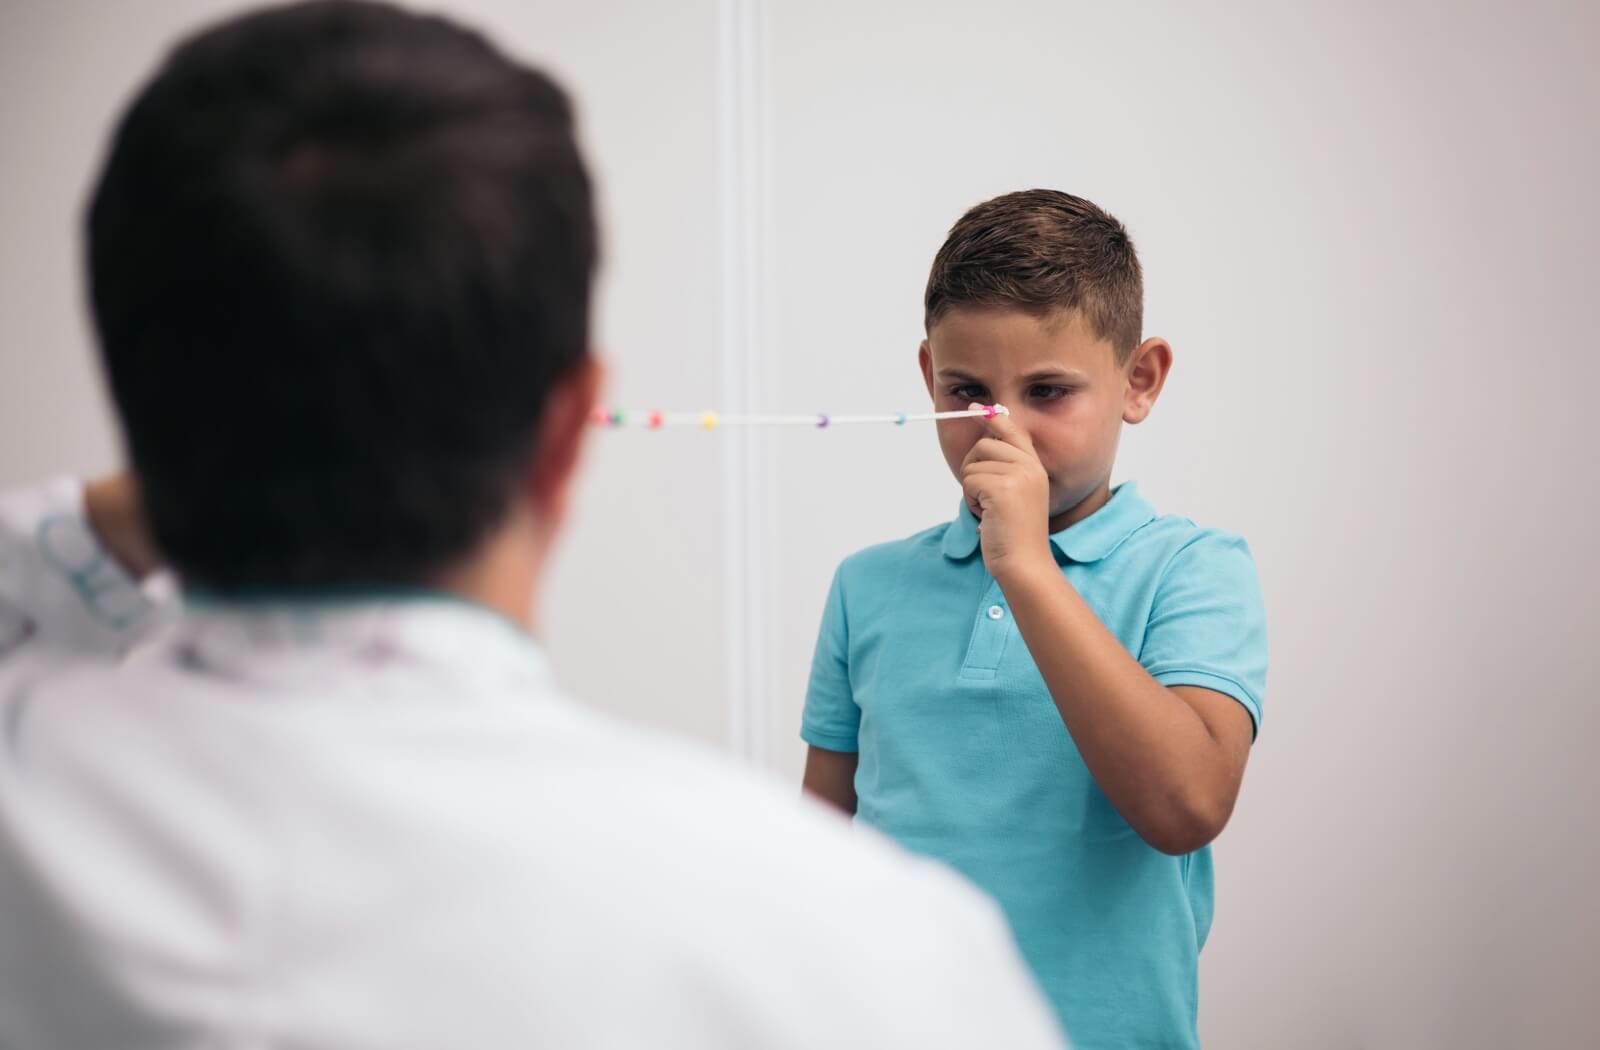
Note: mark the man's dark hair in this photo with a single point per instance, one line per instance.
(1042, 251)
(338, 256)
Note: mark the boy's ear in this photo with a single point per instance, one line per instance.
(1147, 371)
(925, 362)
(563, 431)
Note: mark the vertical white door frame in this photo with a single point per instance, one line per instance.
(749, 522)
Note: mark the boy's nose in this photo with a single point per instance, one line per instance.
(1020, 415)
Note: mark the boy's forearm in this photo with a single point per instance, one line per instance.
(1149, 751)
(831, 777)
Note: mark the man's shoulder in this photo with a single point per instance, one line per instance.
(674, 836)
(698, 857)
(752, 823)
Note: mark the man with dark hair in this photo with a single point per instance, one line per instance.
(340, 263)
(341, 259)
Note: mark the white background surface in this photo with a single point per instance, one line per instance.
(1369, 231)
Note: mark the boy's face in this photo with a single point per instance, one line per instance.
(1062, 385)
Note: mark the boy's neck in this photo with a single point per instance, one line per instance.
(1099, 497)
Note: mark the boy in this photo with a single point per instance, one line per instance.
(341, 260)
(1066, 718)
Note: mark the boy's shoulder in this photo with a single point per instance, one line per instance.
(893, 557)
(1172, 554)
(1170, 539)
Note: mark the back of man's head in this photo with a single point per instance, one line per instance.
(339, 255)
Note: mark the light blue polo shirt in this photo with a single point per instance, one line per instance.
(964, 757)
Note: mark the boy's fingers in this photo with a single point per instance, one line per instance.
(1003, 427)
(987, 480)
(992, 449)
(987, 469)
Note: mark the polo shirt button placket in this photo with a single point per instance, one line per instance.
(990, 633)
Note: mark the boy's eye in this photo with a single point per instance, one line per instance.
(1045, 392)
(969, 392)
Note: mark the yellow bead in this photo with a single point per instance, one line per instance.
(709, 420)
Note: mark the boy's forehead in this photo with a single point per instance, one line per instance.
(972, 337)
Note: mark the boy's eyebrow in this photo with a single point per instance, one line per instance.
(1043, 375)
(1046, 374)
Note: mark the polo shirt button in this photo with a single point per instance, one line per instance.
(996, 613)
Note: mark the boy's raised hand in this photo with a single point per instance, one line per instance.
(1008, 490)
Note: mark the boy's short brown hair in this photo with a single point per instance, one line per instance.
(1042, 251)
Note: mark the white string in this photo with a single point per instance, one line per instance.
(819, 420)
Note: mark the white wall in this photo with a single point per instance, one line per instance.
(1370, 232)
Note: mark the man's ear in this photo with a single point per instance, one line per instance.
(1147, 370)
(925, 362)
(563, 431)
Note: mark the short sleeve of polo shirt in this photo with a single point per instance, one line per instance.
(1208, 623)
(831, 719)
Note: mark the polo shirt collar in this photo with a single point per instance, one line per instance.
(1087, 541)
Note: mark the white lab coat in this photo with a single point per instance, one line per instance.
(378, 825)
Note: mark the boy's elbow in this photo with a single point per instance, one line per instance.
(1180, 841)
(1185, 825)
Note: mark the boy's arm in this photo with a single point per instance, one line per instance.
(1169, 759)
(831, 776)
(830, 721)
